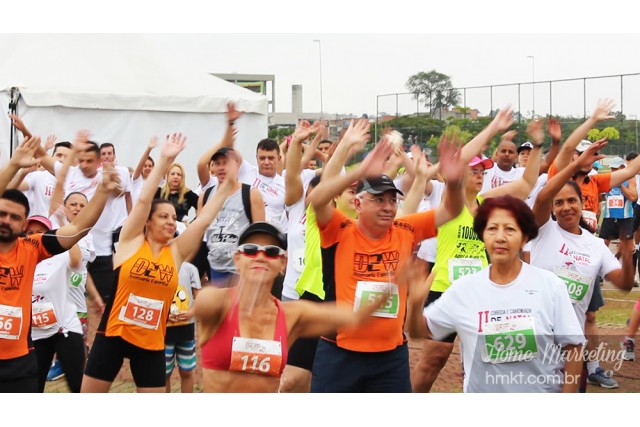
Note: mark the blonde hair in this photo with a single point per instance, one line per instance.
(182, 190)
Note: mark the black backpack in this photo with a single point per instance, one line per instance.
(246, 199)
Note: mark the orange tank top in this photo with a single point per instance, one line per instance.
(144, 291)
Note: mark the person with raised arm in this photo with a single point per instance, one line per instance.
(145, 281)
(19, 256)
(360, 258)
(142, 170)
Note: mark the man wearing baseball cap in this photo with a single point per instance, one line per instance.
(360, 259)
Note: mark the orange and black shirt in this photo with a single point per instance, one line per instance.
(349, 257)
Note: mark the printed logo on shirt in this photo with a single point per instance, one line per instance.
(265, 188)
(11, 278)
(375, 265)
(149, 271)
(580, 258)
(490, 316)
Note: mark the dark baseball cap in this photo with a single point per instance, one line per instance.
(264, 228)
(224, 151)
(377, 185)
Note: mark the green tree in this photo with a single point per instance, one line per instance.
(433, 89)
(610, 133)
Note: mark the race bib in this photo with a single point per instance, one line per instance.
(590, 218)
(256, 356)
(510, 341)
(577, 284)
(368, 292)
(615, 202)
(10, 322)
(144, 312)
(298, 260)
(460, 267)
(43, 315)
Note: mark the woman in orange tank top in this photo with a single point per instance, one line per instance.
(147, 262)
(245, 332)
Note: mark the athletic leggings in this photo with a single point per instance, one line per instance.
(71, 355)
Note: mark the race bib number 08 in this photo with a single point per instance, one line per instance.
(577, 284)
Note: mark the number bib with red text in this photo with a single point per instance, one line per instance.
(590, 218)
(43, 315)
(256, 356)
(143, 312)
(615, 202)
(10, 322)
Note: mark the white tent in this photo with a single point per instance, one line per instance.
(124, 91)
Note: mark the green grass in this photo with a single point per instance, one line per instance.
(617, 309)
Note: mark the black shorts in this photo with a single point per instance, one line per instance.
(101, 270)
(611, 228)
(597, 300)
(108, 353)
(636, 216)
(433, 296)
(303, 351)
(20, 374)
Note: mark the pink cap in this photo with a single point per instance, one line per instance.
(41, 219)
(487, 163)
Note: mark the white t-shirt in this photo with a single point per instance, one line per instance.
(50, 294)
(41, 185)
(584, 254)
(427, 250)
(478, 309)
(272, 191)
(136, 188)
(296, 233)
(307, 175)
(496, 177)
(540, 182)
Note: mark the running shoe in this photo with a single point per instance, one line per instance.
(55, 372)
(599, 377)
(628, 346)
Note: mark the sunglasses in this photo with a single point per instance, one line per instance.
(269, 251)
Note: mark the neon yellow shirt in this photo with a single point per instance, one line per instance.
(457, 240)
(311, 278)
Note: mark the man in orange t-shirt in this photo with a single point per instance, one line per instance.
(18, 258)
(360, 259)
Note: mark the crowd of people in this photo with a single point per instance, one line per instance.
(300, 274)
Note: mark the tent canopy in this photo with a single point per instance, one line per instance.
(112, 71)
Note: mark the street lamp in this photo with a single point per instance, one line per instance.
(636, 120)
(320, 56)
(533, 86)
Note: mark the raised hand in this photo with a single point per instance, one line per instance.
(23, 156)
(232, 113)
(152, 142)
(110, 178)
(423, 168)
(589, 156)
(509, 135)
(357, 134)
(536, 132)
(504, 119)
(602, 110)
(374, 163)
(452, 167)
(50, 142)
(19, 124)
(303, 131)
(173, 145)
(554, 129)
(81, 141)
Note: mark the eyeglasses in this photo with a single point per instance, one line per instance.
(250, 250)
(476, 172)
(382, 201)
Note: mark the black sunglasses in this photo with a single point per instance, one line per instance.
(269, 251)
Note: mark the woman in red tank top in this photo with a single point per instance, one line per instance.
(245, 332)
